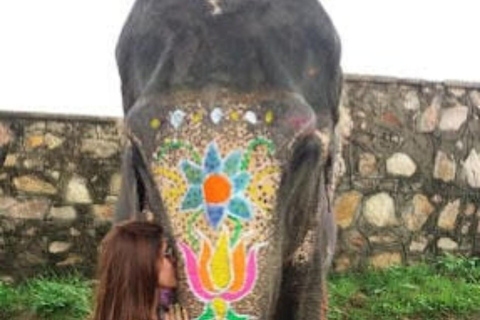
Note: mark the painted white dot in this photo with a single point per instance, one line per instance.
(216, 115)
(251, 117)
(216, 6)
(176, 118)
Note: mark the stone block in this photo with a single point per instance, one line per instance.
(342, 264)
(52, 141)
(457, 92)
(66, 213)
(74, 232)
(391, 119)
(447, 244)
(57, 127)
(115, 184)
(418, 245)
(448, 216)
(102, 149)
(367, 164)
(346, 207)
(400, 164)
(10, 160)
(386, 259)
(475, 98)
(453, 118)
(469, 209)
(445, 167)
(466, 228)
(59, 247)
(33, 184)
(428, 120)
(382, 239)
(111, 199)
(24, 210)
(71, 260)
(7, 279)
(471, 169)
(411, 101)
(6, 135)
(77, 191)
(418, 212)
(34, 163)
(53, 174)
(35, 141)
(379, 210)
(103, 213)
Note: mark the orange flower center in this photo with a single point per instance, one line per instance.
(217, 189)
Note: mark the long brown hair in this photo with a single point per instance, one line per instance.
(127, 272)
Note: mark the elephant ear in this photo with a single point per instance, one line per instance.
(171, 185)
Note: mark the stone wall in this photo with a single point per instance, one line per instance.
(411, 186)
(59, 180)
(412, 171)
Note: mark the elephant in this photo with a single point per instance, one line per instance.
(230, 115)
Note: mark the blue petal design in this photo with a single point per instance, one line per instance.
(240, 208)
(193, 199)
(193, 172)
(241, 181)
(215, 215)
(231, 165)
(212, 162)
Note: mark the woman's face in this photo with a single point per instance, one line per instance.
(166, 268)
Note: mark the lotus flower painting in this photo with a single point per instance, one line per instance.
(221, 269)
(221, 274)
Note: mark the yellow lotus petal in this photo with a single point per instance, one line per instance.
(221, 264)
(220, 307)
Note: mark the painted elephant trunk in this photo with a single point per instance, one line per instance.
(230, 114)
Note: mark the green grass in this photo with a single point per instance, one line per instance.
(9, 301)
(51, 297)
(447, 288)
(54, 298)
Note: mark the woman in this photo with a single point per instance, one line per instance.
(135, 266)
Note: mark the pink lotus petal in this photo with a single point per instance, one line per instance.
(193, 276)
(249, 281)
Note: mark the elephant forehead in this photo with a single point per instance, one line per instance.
(241, 147)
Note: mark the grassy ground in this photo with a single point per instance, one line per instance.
(47, 298)
(448, 289)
